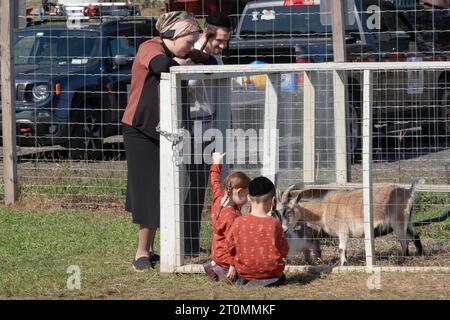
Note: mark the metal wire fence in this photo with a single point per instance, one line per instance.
(295, 138)
(73, 73)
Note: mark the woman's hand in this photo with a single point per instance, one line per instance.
(217, 157)
(231, 274)
(183, 62)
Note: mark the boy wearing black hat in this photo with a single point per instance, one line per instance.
(257, 239)
(203, 93)
(216, 34)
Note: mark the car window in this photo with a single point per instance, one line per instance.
(293, 21)
(23, 50)
(392, 27)
(51, 47)
(386, 23)
(125, 45)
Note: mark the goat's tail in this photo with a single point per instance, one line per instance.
(410, 203)
(437, 219)
(412, 194)
(415, 184)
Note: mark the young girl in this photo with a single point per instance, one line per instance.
(226, 206)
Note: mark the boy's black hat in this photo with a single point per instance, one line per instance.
(260, 186)
(218, 19)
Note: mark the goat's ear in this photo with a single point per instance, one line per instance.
(298, 213)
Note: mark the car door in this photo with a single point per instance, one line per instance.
(121, 49)
(396, 93)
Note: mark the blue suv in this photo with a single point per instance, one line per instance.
(72, 83)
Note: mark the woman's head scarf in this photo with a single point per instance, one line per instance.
(176, 24)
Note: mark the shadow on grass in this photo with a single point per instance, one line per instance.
(109, 152)
(303, 278)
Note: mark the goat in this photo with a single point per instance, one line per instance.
(304, 239)
(299, 237)
(340, 214)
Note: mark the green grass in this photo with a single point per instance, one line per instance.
(430, 205)
(37, 247)
(103, 182)
(111, 187)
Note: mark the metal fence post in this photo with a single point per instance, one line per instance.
(367, 169)
(21, 16)
(340, 125)
(270, 166)
(8, 101)
(340, 92)
(309, 128)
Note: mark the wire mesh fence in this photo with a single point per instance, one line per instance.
(73, 74)
(408, 165)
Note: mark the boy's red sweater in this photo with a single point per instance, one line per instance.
(259, 245)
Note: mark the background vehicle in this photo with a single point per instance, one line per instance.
(272, 32)
(72, 84)
(75, 8)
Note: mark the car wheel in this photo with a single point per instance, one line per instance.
(86, 142)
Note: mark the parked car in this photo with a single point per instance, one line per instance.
(273, 32)
(73, 8)
(111, 9)
(430, 18)
(72, 84)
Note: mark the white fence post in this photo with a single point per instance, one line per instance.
(271, 136)
(309, 128)
(340, 89)
(340, 126)
(367, 169)
(171, 224)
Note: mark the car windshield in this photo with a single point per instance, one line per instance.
(296, 21)
(55, 47)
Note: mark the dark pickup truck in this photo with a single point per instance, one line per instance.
(272, 32)
(376, 31)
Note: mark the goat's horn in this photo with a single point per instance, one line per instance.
(284, 197)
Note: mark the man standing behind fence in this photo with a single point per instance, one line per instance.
(203, 96)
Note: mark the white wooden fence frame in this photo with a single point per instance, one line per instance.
(172, 253)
